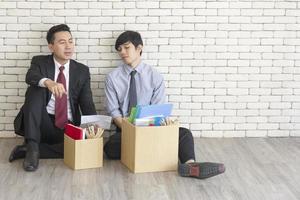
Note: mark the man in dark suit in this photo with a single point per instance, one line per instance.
(59, 91)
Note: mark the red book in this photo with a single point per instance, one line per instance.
(74, 132)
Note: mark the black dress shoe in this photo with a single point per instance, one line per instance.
(18, 152)
(31, 161)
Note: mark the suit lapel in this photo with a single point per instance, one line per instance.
(72, 76)
(50, 68)
(50, 71)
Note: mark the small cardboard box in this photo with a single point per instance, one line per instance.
(149, 148)
(83, 154)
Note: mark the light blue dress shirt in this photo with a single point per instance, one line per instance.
(149, 86)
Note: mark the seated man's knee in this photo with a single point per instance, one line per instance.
(35, 96)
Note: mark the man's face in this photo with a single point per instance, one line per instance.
(130, 54)
(62, 46)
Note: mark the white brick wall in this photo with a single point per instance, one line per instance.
(232, 68)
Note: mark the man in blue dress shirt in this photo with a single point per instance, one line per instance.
(150, 89)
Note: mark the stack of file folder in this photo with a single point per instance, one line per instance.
(150, 115)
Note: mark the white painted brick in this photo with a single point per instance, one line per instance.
(9, 19)
(201, 126)
(262, 34)
(213, 105)
(234, 60)
(53, 5)
(113, 12)
(183, 12)
(147, 4)
(274, 12)
(206, 12)
(160, 27)
(225, 113)
(183, 70)
(279, 119)
(285, 5)
(229, 12)
(210, 134)
(100, 20)
(236, 91)
(239, 19)
(194, 4)
(203, 99)
(183, 27)
(216, 34)
(201, 27)
(273, 27)
(256, 119)
(230, 27)
(194, 19)
(170, 34)
(159, 12)
(251, 27)
(278, 133)
(217, 4)
(170, 19)
(123, 4)
(263, 4)
(260, 91)
(102, 5)
(270, 98)
(192, 91)
(223, 126)
(256, 133)
(268, 126)
(202, 84)
(147, 19)
(269, 112)
(239, 34)
(229, 134)
(279, 105)
(136, 12)
(42, 12)
(180, 98)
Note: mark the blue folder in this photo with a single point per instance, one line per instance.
(161, 110)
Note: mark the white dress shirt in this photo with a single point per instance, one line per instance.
(51, 104)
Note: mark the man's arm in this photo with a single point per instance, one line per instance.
(118, 122)
(112, 103)
(158, 96)
(86, 102)
(35, 77)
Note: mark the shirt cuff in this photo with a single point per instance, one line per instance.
(42, 81)
(115, 114)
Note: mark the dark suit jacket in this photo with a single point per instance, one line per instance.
(80, 94)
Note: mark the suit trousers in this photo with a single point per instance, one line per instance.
(186, 152)
(39, 126)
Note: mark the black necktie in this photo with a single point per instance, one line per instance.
(132, 92)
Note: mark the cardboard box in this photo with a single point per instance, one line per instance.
(149, 148)
(83, 154)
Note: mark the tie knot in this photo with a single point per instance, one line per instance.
(61, 68)
(132, 73)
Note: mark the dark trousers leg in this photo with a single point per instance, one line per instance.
(39, 127)
(186, 145)
(112, 148)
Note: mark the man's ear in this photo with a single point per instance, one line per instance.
(139, 47)
(50, 46)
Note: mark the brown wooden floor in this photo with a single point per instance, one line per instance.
(256, 169)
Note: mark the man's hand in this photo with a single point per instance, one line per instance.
(118, 122)
(57, 89)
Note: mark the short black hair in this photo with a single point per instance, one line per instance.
(129, 36)
(55, 29)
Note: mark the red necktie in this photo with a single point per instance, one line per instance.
(61, 105)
